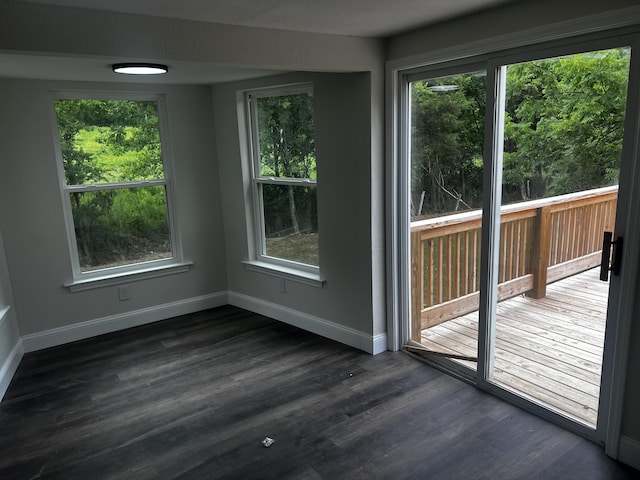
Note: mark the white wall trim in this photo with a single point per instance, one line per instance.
(372, 344)
(379, 343)
(629, 452)
(128, 277)
(325, 328)
(112, 323)
(10, 366)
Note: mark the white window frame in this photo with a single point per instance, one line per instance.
(259, 261)
(132, 271)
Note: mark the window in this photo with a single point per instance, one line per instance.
(115, 186)
(284, 178)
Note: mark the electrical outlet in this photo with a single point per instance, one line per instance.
(123, 292)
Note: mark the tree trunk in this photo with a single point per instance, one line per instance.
(292, 212)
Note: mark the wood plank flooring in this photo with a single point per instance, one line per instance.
(550, 349)
(193, 398)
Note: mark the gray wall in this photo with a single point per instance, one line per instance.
(32, 219)
(345, 151)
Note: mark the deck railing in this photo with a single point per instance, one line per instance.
(541, 241)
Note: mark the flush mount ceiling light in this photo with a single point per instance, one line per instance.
(140, 68)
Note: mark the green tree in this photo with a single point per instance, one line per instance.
(287, 150)
(563, 131)
(447, 143)
(72, 116)
(564, 124)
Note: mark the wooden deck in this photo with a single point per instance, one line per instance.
(549, 350)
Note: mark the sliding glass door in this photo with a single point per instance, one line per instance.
(518, 167)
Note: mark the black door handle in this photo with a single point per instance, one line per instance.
(607, 242)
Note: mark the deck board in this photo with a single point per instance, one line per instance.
(549, 350)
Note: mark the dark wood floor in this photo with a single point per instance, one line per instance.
(193, 397)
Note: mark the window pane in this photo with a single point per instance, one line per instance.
(286, 134)
(291, 223)
(109, 141)
(564, 124)
(119, 227)
(446, 146)
(447, 141)
(563, 135)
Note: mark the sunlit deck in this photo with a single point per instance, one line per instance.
(550, 348)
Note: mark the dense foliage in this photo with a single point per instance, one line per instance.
(563, 131)
(447, 139)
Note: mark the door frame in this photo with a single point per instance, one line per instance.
(621, 307)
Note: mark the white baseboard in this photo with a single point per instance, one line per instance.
(379, 343)
(629, 452)
(99, 326)
(9, 367)
(340, 333)
(90, 328)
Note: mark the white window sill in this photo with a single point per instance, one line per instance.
(127, 277)
(295, 275)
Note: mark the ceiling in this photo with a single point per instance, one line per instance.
(365, 18)
(360, 18)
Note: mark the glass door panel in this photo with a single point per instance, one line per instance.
(563, 131)
(446, 147)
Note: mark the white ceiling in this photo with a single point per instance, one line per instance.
(368, 18)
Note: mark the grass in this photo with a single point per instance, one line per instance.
(301, 248)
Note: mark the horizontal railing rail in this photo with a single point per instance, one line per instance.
(541, 241)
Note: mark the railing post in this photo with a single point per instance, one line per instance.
(417, 285)
(540, 251)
